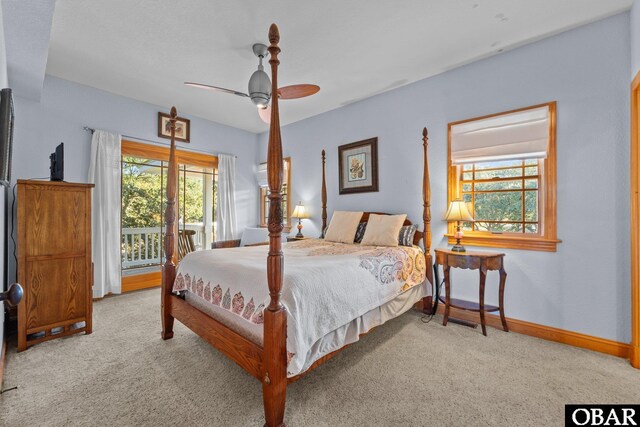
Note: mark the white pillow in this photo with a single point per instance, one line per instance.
(383, 230)
(343, 226)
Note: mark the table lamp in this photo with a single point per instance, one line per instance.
(300, 213)
(458, 212)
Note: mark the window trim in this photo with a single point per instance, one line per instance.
(261, 192)
(547, 239)
(157, 152)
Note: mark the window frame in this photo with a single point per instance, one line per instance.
(264, 191)
(546, 239)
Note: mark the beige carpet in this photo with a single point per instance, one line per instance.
(404, 373)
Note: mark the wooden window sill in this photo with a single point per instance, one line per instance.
(286, 229)
(508, 242)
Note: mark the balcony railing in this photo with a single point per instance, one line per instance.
(142, 247)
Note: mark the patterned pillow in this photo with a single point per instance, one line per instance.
(405, 237)
(360, 232)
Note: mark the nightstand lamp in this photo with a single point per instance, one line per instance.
(458, 212)
(300, 213)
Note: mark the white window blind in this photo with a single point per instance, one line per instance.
(519, 135)
(262, 177)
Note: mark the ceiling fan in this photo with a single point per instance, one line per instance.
(260, 87)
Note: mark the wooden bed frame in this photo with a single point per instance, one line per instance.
(269, 362)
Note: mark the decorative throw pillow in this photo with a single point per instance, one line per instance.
(360, 232)
(383, 230)
(343, 227)
(407, 232)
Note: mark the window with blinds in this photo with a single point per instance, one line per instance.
(503, 167)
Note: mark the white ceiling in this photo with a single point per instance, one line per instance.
(146, 49)
(27, 30)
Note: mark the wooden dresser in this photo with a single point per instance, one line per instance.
(54, 260)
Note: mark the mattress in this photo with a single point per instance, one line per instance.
(333, 292)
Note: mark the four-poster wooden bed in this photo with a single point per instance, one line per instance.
(267, 362)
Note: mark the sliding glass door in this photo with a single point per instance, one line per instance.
(143, 189)
(197, 205)
(144, 180)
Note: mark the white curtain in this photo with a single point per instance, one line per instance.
(104, 172)
(226, 221)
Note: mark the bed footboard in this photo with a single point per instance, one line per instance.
(236, 347)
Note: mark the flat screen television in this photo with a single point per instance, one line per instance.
(57, 163)
(6, 135)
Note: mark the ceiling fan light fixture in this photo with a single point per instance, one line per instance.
(260, 100)
(260, 87)
(265, 114)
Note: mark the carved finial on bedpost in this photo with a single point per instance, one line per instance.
(324, 195)
(274, 36)
(426, 194)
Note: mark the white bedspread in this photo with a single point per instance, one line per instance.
(326, 285)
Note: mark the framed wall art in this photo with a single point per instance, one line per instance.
(358, 166)
(183, 127)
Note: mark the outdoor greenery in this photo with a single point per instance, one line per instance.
(143, 193)
(494, 191)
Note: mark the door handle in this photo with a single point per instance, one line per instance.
(13, 295)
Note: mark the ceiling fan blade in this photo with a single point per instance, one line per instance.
(297, 91)
(216, 88)
(265, 114)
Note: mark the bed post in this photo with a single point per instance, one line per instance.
(169, 267)
(274, 382)
(324, 196)
(426, 218)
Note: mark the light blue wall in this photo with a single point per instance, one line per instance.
(4, 76)
(635, 38)
(66, 107)
(584, 286)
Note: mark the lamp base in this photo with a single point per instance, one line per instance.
(299, 235)
(458, 246)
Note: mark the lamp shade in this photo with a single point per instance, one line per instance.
(458, 212)
(300, 212)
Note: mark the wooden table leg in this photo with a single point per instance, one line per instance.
(503, 280)
(483, 279)
(447, 287)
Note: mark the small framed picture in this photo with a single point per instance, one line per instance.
(358, 166)
(183, 127)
